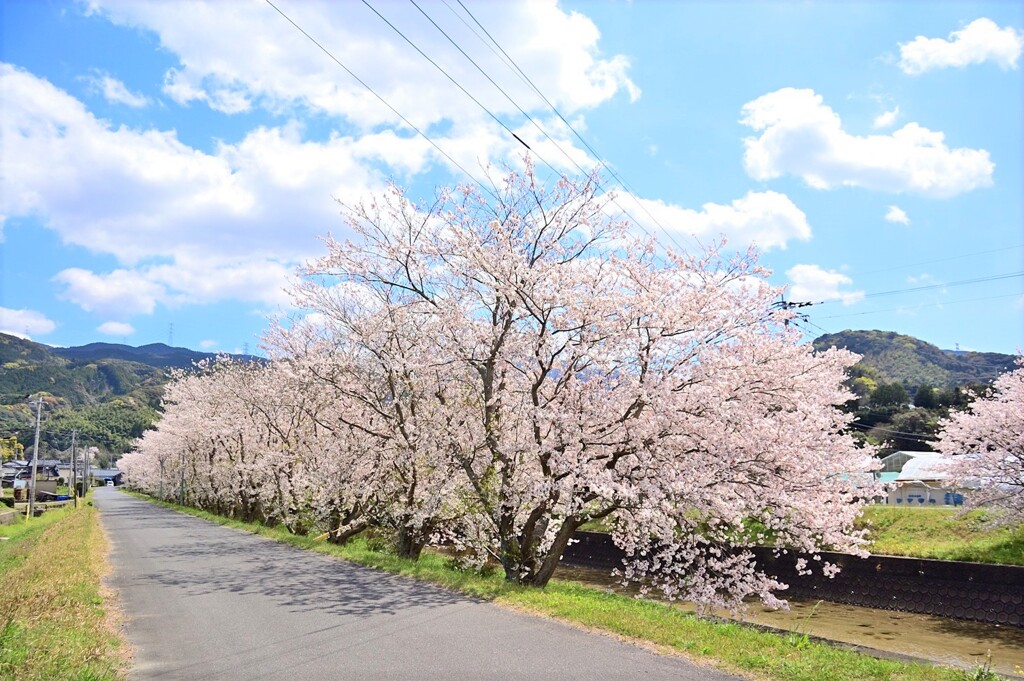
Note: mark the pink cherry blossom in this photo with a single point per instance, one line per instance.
(987, 446)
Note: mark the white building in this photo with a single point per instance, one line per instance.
(922, 481)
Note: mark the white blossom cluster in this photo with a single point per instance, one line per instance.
(989, 439)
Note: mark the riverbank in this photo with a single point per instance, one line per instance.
(941, 534)
(55, 622)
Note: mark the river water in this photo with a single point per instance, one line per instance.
(954, 642)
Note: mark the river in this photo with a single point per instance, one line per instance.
(959, 643)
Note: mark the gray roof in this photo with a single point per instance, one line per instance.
(925, 468)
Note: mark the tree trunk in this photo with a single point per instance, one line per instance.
(341, 535)
(554, 554)
(410, 543)
(538, 569)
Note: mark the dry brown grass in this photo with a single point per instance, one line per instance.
(54, 621)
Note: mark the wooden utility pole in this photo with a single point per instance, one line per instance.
(85, 474)
(74, 468)
(35, 462)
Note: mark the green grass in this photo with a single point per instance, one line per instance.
(53, 623)
(729, 646)
(942, 533)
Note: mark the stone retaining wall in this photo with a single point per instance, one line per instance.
(970, 591)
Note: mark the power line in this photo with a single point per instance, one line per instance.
(953, 257)
(457, 84)
(611, 171)
(904, 435)
(381, 98)
(534, 122)
(963, 282)
(804, 322)
(923, 305)
(407, 121)
(499, 88)
(928, 287)
(492, 114)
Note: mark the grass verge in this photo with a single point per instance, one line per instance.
(942, 533)
(731, 647)
(53, 623)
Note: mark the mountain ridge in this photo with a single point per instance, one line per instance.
(158, 355)
(898, 358)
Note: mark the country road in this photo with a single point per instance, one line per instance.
(208, 602)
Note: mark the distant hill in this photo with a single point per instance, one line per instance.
(908, 360)
(109, 393)
(88, 374)
(155, 354)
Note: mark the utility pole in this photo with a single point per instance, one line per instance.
(85, 474)
(74, 467)
(161, 493)
(35, 462)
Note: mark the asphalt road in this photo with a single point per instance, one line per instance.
(208, 602)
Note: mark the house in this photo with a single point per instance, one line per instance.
(46, 469)
(922, 481)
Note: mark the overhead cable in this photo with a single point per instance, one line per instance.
(908, 436)
(381, 98)
(611, 171)
(491, 113)
(952, 257)
(923, 305)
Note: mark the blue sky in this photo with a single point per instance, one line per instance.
(166, 166)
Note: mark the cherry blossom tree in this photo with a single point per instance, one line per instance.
(548, 368)
(373, 346)
(989, 436)
(496, 371)
(257, 442)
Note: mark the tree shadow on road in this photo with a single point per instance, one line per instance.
(202, 558)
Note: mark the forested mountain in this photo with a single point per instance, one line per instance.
(28, 368)
(896, 358)
(905, 387)
(155, 354)
(109, 393)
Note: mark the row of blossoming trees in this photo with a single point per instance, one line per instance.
(494, 372)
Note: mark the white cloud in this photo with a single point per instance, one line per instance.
(25, 323)
(116, 92)
(886, 120)
(811, 283)
(116, 329)
(138, 194)
(235, 56)
(980, 41)
(125, 293)
(191, 226)
(120, 294)
(897, 214)
(768, 219)
(208, 344)
(195, 280)
(801, 136)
